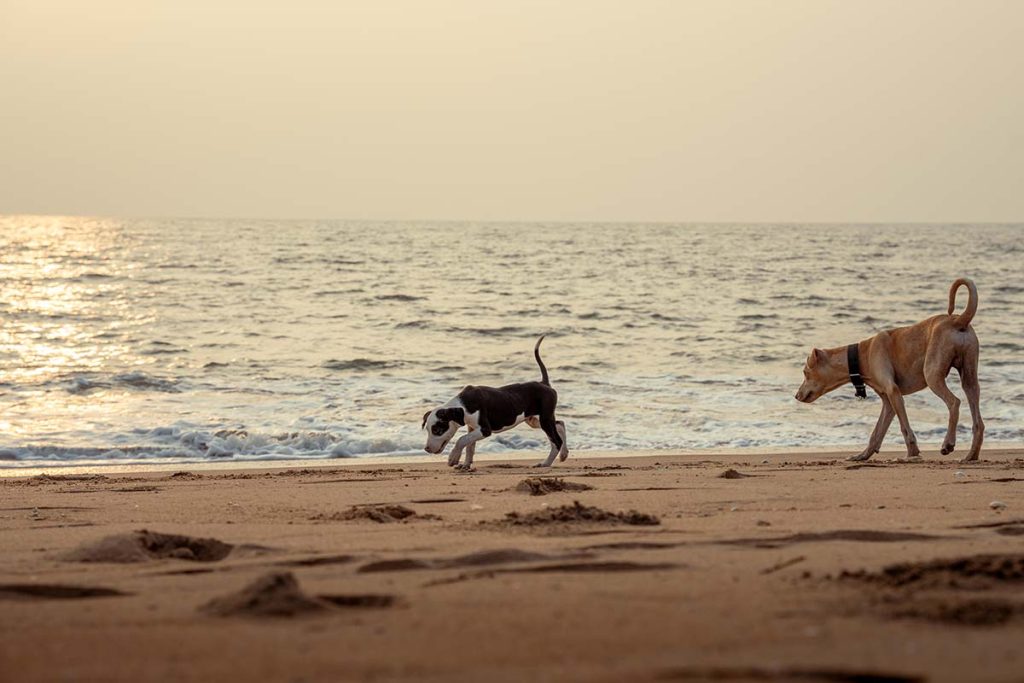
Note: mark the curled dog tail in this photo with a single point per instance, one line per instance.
(536, 354)
(964, 319)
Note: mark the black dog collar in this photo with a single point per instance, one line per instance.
(853, 360)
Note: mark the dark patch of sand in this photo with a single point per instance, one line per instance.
(733, 474)
(368, 600)
(971, 612)
(972, 572)
(44, 591)
(786, 674)
(426, 501)
(317, 561)
(483, 558)
(857, 535)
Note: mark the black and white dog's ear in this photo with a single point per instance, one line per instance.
(425, 416)
(449, 414)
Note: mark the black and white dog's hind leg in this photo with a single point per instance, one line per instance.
(559, 446)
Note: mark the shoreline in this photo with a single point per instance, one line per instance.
(31, 469)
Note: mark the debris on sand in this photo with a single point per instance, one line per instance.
(579, 514)
(143, 546)
(733, 474)
(382, 514)
(541, 486)
(278, 595)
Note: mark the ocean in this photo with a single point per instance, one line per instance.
(126, 341)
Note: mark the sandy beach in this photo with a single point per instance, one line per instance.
(667, 567)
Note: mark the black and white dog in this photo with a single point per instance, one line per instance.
(489, 410)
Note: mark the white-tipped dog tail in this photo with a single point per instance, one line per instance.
(965, 318)
(536, 354)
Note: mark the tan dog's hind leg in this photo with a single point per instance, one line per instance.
(969, 381)
(878, 435)
(936, 379)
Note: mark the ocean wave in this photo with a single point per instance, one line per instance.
(83, 384)
(360, 364)
(186, 444)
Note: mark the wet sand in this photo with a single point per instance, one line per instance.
(781, 567)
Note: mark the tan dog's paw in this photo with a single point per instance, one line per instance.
(971, 458)
(860, 457)
(463, 468)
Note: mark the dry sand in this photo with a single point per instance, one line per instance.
(665, 568)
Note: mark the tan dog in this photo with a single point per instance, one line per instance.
(905, 360)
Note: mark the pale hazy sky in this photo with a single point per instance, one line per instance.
(725, 110)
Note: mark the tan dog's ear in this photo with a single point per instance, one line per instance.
(817, 356)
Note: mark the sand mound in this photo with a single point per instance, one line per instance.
(271, 595)
(382, 514)
(278, 595)
(143, 546)
(976, 571)
(579, 514)
(43, 591)
(186, 476)
(541, 486)
(733, 474)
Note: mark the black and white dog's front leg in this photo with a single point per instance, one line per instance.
(470, 452)
(465, 441)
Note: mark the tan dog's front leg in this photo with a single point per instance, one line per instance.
(878, 435)
(896, 398)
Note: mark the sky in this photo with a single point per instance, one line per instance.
(579, 110)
